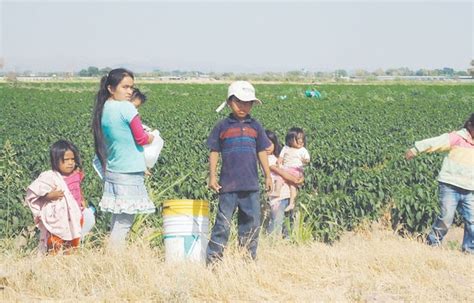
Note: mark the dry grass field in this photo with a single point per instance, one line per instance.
(368, 266)
(349, 184)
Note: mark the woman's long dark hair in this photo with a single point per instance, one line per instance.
(112, 79)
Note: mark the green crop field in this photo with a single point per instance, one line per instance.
(356, 135)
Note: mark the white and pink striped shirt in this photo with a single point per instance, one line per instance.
(458, 165)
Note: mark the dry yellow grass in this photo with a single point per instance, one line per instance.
(374, 266)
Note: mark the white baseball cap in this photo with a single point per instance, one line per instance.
(242, 90)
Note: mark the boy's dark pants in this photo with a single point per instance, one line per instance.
(248, 205)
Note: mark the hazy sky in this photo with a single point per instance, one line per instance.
(237, 36)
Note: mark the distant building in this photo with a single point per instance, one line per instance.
(170, 78)
(464, 77)
(412, 78)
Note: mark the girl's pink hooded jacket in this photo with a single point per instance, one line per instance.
(61, 217)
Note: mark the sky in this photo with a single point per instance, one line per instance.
(235, 36)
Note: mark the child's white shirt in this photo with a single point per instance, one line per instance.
(294, 157)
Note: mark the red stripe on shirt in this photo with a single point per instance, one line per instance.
(238, 132)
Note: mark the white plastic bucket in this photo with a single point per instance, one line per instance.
(89, 220)
(186, 227)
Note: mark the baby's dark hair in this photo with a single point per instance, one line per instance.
(274, 139)
(469, 122)
(57, 151)
(138, 94)
(293, 134)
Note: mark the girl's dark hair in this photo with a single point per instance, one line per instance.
(138, 94)
(57, 151)
(112, 79)
(272, 136)
(469, 121)
(293, 134)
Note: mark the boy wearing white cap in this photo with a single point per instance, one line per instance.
(242, 141)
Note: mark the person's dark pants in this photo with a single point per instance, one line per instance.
(248, 216)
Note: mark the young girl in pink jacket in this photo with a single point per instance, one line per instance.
(56, 200)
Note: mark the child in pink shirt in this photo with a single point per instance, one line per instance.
(55, 198)
(292, 158)
(279, 197)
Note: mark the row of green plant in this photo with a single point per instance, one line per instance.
(356, 136)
